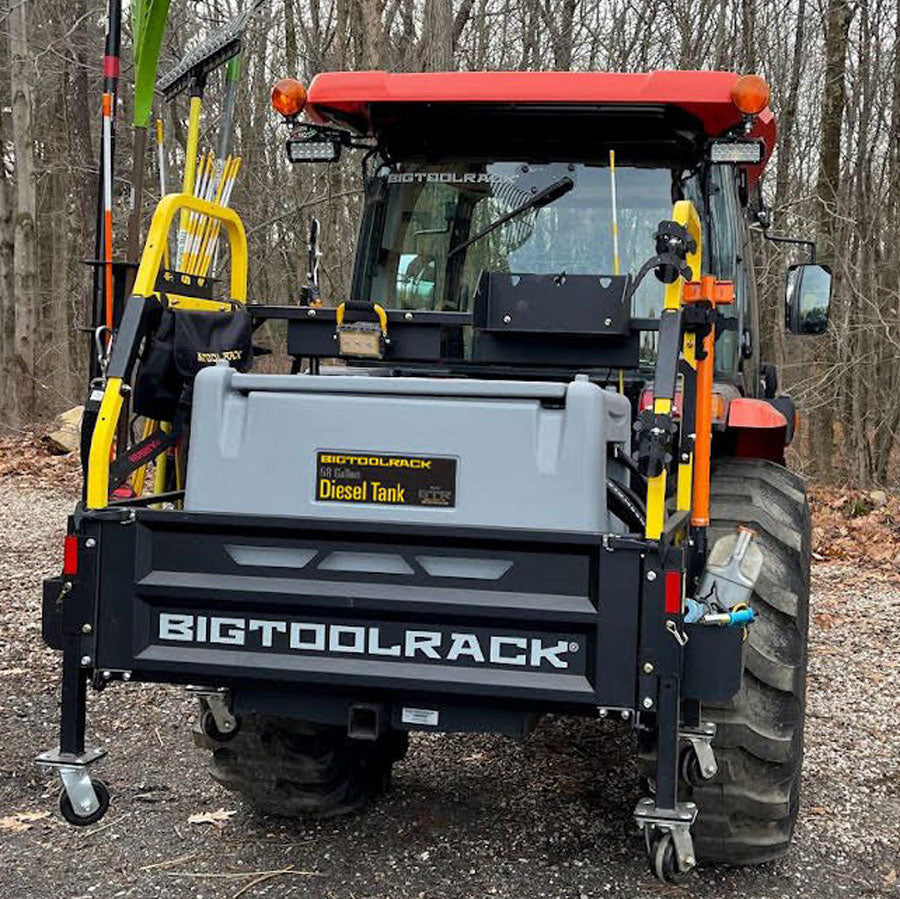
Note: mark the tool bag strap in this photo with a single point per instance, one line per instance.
(145, 451)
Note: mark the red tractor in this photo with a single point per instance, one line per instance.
(541, 470)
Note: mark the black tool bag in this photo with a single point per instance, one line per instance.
(185, 341)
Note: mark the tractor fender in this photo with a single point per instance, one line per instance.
(758, 429)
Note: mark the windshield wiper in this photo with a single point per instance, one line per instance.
(543, 197)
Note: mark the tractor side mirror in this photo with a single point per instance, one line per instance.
(807, 299)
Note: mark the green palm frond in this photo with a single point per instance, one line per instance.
(148, 25)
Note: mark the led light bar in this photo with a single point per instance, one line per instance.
(737, 152)
(302, 150)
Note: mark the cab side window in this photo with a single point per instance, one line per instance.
(729, 253)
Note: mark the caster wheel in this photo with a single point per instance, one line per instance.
(690, 768)
(211, 729)
(68, 812)
(663, 864)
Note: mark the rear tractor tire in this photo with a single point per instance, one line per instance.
(748, 810)
(286, 767)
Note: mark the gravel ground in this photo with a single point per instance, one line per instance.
(468, 816)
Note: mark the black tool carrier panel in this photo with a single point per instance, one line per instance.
(539, 621)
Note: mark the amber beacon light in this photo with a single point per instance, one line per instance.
(750, 94)
(288, 97)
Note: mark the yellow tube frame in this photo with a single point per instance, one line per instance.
(145, 286)
(684, 213)
(190, 154)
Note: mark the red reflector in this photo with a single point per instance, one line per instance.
(673, 592)
(70, 555)
(646, 402)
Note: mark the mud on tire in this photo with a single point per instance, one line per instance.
(287, 767)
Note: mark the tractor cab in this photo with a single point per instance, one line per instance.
(529, 203)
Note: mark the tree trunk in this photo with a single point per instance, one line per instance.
(7, 308)
(57, 317)
(290, 39)
(21, 80)
(436, 44)
(773, 319)
(837, 28)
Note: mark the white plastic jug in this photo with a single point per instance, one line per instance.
(732, 569)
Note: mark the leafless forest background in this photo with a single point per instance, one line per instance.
(834, 67)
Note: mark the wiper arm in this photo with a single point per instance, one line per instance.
(543, 197)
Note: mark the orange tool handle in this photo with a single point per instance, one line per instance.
(703, 433)
(717, 293)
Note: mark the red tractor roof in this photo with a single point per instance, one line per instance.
(347, 97)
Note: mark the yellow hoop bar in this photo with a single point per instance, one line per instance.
(145, 282)
(145, 286)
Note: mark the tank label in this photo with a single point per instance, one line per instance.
(386, 479)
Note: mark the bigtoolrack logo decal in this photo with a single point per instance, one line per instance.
(385, 479)
(375, 641)
(448, 178)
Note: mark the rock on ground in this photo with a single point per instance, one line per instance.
(469, 816)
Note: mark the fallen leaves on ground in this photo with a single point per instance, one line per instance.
(27, 461)
(21, 821)
(217, 818)
(861, 526)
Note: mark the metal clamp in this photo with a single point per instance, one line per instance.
(104, 347)
(677, 821)
(681, 638)
(75, 776)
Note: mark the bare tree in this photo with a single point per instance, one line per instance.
(21, 79)
(839, 16)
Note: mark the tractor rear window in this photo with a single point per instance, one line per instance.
(429, 211)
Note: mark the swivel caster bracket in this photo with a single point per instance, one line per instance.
(675, 823)
(701, 739)
(218, 702)
(74, 773)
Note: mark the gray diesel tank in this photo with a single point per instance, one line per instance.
(506, 454)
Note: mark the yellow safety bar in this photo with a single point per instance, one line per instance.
(145, 286)
(684, 213)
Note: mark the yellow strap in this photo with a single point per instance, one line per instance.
(190, 154)
(656, 506)
(159, 478)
